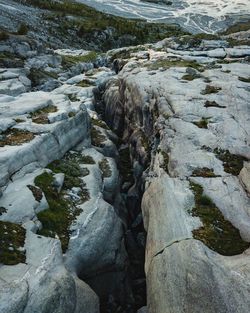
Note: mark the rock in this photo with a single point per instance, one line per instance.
(12, 87)
(245, 176)
(58, 181)
(182, 118)
(190, 263)
(36, 291)
(143, 310)
(238, 52)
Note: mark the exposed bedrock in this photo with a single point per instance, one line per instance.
(188, 133)
(93, 158)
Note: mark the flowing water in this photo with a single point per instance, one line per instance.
(194, 15)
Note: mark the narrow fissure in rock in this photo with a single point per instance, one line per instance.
(124, 291)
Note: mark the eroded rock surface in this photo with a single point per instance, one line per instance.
(184, 110)
(80, 146)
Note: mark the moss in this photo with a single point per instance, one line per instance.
(232, 163)
(72, 170)
(85, 83)
(10, 60)
(203, 172)
(38, 76)
(195, 40)
(206, 36)
(125, 166)
(41, 116)
(210, 89)
(63, 209)
(2, 210)
(55, 220)
(37, 192)
(73, 97)
(4, 35)
(190, 77)
(15, 137)
(245, 80)
(99, 123)
(217, 233)
(167, 63)
(105, 168)
(79, 158)
(164, 165)
(202, 123)
(97, 138)
(125, 53)
(23, 29)
(238, 27)
(19, 120)
(209, 104)
(70, 60)
(87, 159)
(12, 238)
(145, 142)
(71, 114)
(232, 42)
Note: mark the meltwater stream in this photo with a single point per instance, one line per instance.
(196, 16)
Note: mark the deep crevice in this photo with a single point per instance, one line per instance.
(124, 290)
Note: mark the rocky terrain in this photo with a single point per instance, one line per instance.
(196, 16)
(124, 175)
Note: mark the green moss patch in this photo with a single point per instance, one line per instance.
(216, 233)
(71, 114)
(202, 123)
(210, 89)
(19, 120)
(69, 165)
(10, 60)
(99, 123)
(164, 165)
(15, 137)
(70, 60)
(167, 63)
(245, 80)
(85, 83)
(4, 35)
(195, 40)
(41, 116)
(97, 138)
(190, 77)
(23, 29)
(203, 172)
(105, 168)
(12, 238)
(232, 163)
(63, 209)
(39, 76)
(2, 210)
(145, 142)
(87, 159)
(238, 27)
(209, 104)
(73, 97)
